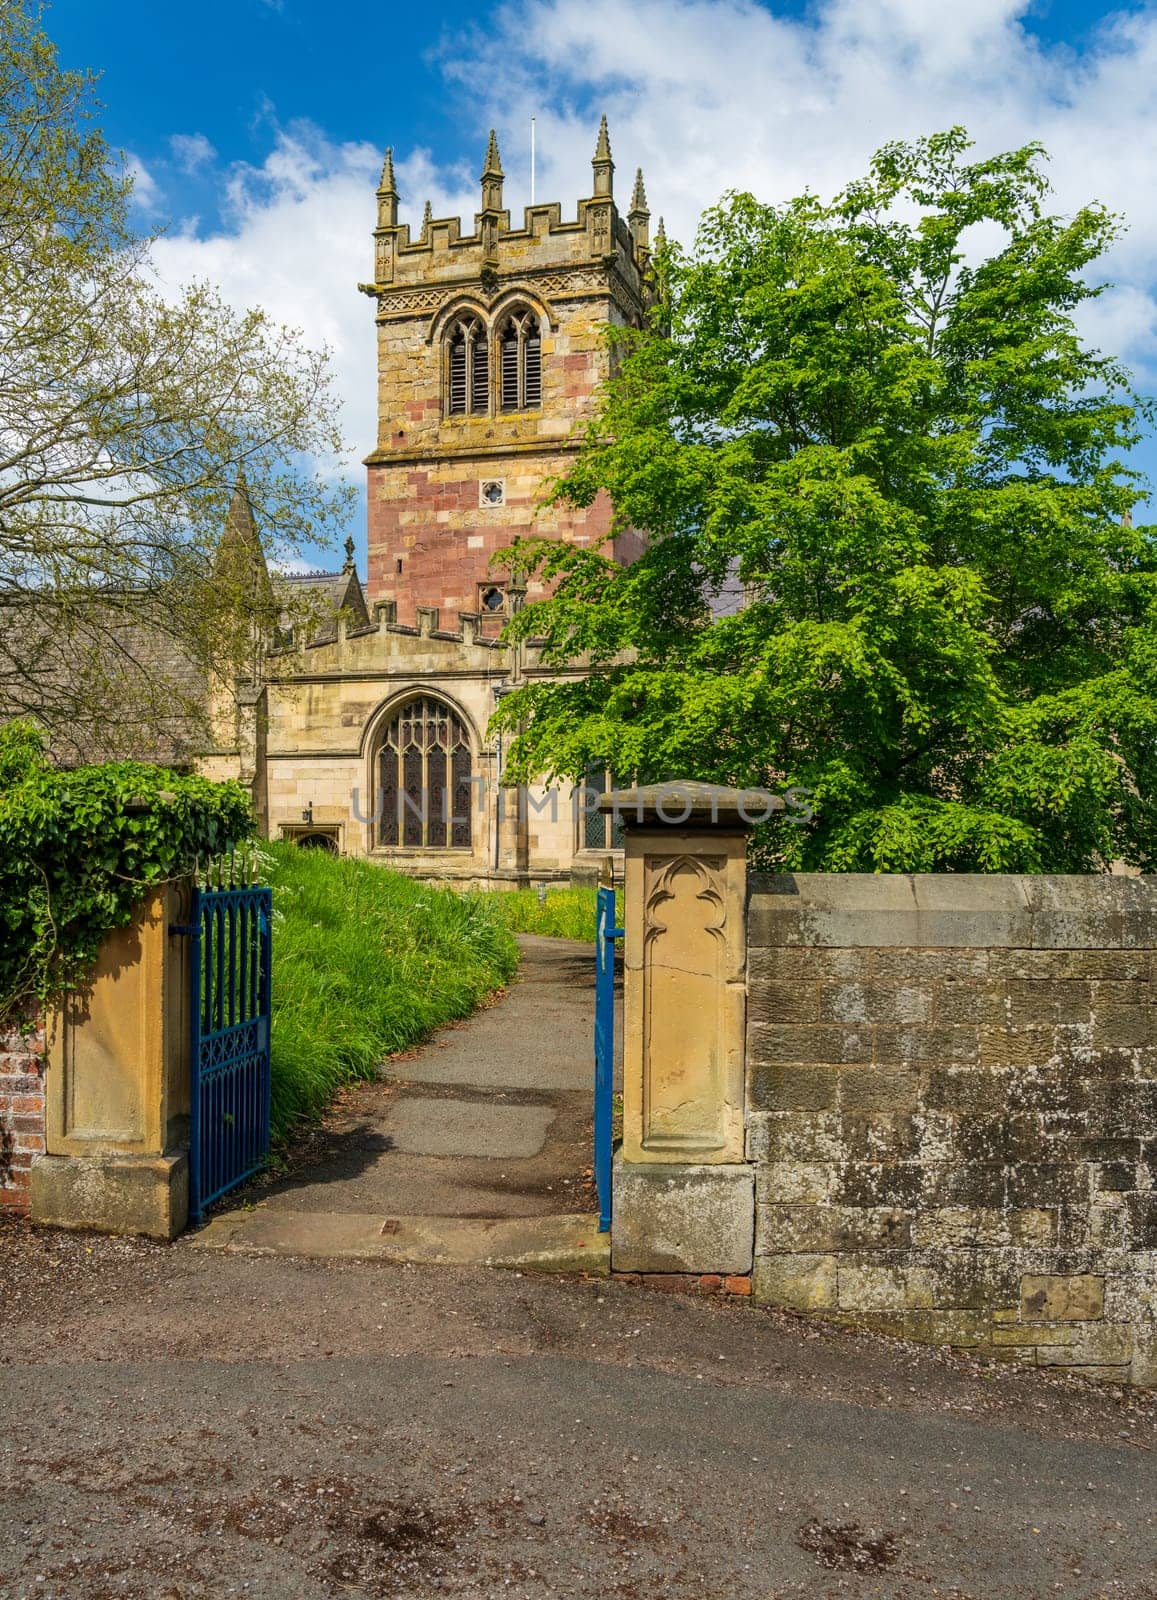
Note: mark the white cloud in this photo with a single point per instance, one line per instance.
(296, 241)
(706, 95)
(192, 151)
(714, 94)
(146, 190)
(293, 567)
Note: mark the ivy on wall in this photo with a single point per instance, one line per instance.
(78, 849)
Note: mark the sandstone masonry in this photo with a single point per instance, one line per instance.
(952, 1111)
(433, 526)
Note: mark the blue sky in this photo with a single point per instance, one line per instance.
(247, 64)
(256, 126)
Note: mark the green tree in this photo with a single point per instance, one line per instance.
(126, 417)
(78, 848)
(878, 417)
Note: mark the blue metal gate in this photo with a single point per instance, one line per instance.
(229, 935)
(605, 935)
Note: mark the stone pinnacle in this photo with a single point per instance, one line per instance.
(493, 167)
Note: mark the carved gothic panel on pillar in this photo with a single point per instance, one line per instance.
(684, 956)
(684, 1001)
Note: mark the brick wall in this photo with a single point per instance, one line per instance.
(21, 1115)
(952, 1111)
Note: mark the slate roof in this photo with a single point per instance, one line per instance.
(108, 684)
(113, 651)
(329, 593)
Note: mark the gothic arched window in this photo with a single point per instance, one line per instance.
(469, 384)
(520, 354)
(424, 767)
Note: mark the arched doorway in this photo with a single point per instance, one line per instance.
(317, 841)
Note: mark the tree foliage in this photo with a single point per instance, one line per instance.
(79, 848)
(126, 416)
(878, 416)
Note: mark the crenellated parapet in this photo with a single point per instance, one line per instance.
(492, 357)
(358, 647)
(418, 275)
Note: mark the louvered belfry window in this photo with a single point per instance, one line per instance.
(532, 366)
(480, 374)
(469, 383)
(457, 373)
(520, 345)
(510, 368)
(424, 771)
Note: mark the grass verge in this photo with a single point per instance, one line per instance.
(565, 914)
(366, 962)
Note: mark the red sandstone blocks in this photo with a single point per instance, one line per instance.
(427, 521)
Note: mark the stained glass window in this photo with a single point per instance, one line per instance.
(424, 771)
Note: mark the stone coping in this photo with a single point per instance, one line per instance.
(1095, 912)
(682, 803)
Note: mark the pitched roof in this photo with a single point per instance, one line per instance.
(109, 682)
(328, 593)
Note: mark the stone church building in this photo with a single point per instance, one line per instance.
(369, 736)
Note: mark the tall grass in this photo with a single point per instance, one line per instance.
(365, 962)
(565, 914)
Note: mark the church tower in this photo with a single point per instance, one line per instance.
(490, 357)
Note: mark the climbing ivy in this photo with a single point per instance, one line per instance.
(79, 847)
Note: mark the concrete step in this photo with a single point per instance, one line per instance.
(528, 1244)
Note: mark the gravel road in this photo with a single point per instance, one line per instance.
(178, 1425)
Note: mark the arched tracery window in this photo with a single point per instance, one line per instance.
(425, 799)
(520, 353)
(469, 385)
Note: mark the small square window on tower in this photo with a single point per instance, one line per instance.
(492, 598)
(492, 492)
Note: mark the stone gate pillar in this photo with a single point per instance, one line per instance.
(117, 1084)
(683, 1192)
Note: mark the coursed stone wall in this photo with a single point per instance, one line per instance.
(21, 1115)
(952, 1110)
(327, 705)
(432, 533)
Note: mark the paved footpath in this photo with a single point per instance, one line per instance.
(180, 1423)
(475, 1149)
